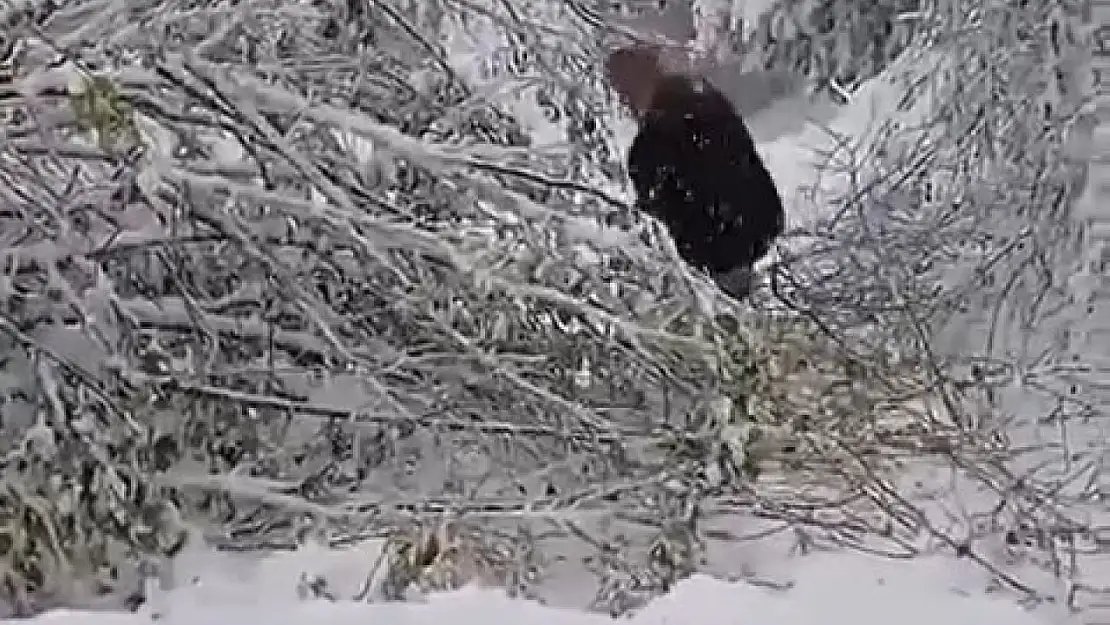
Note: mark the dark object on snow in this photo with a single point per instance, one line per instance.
(694, 167)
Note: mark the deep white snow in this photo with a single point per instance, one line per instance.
(825, 589)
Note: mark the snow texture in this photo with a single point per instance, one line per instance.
(823, 589)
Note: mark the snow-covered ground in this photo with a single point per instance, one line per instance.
(826, 589)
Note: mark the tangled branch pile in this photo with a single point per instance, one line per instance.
(312, 271)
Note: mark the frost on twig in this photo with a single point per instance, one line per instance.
(963, 213)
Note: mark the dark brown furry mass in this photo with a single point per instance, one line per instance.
(694, 167)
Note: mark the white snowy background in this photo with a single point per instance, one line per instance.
(819, 589)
